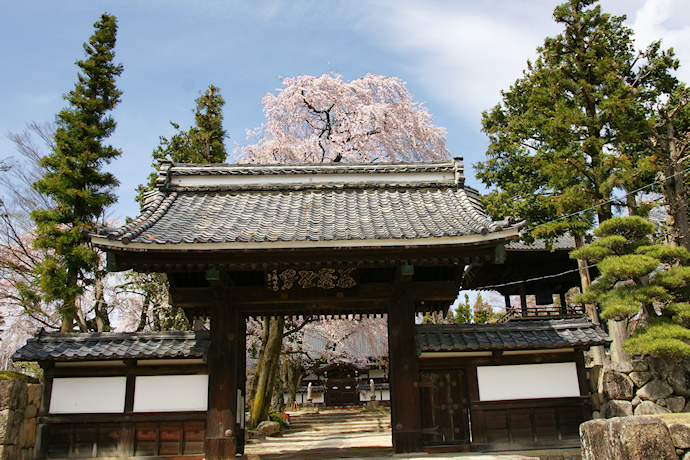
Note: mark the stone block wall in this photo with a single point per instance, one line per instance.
(641, 387)
(634, 437)
(19, 404)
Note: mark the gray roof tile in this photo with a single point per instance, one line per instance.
(301, 203)
(54, 346)
(516, 335)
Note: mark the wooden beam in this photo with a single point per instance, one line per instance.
(146, 260)
(260, 298)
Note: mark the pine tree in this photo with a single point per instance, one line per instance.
(74, 181)
(640, 281)
(482, 311)
(202, 143)
(463, 314)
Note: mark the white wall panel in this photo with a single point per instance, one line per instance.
(88, 395)
(170, 393)
(528, 381)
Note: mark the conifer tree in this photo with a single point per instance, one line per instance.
(567, 133)
(483, 312)
(78, 188)
(640, 281)
(202, 143)
(463, 314)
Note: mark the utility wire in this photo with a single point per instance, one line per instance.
(611, 201)
(539, 278)
(656, 182)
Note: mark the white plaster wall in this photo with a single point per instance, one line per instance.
(170, 393)
(528, 381)
(88, 395)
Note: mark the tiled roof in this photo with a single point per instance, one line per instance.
(377, 386)
(563, 242)
(314, 389)
(337, 204)
(518, 335)
(53, 346)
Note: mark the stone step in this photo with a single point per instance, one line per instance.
(342, 428)
(339, 421)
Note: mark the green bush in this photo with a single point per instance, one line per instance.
(276, 417)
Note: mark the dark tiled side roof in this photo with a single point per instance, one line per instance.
(522, 335)
(53, 346)
(377, 386)
(314, 389)
(564, 242)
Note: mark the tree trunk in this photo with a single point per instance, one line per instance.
(101, 308)
(262, 357)
(598, 354)
(143, 317)
(618, 330)
(293, 377)
(674, 190)
(266, 370)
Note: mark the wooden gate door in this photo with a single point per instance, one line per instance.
(341, 392)
(341, 388)
(445, 407)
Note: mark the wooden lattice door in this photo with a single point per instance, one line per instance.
(445, 408)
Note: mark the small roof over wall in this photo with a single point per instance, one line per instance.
(249, 209)
(524, 335)
(106, 346)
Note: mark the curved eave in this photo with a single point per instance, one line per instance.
(465, 240)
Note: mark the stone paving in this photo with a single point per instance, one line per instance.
(334, 438)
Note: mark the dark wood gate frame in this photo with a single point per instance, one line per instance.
(402, 282)
(323, 239)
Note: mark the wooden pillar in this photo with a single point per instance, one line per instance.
(227, 343)
(406, 418)
(523, 299)
(241, 382)
(564, 303)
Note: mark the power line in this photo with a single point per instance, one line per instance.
(656, 182)
(611, 201)
(539, 278)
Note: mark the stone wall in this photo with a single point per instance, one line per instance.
(641, 387)
(19, 404)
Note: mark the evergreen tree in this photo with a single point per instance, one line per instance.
(640, 281)
(202, 143)
(463, 314)
(568, 132)
(74, 181)
(482, 311)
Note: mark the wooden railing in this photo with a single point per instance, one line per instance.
(546, 312)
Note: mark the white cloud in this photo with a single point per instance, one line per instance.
(661, 19)
(463, 53)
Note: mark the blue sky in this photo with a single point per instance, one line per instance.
(455, 56)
